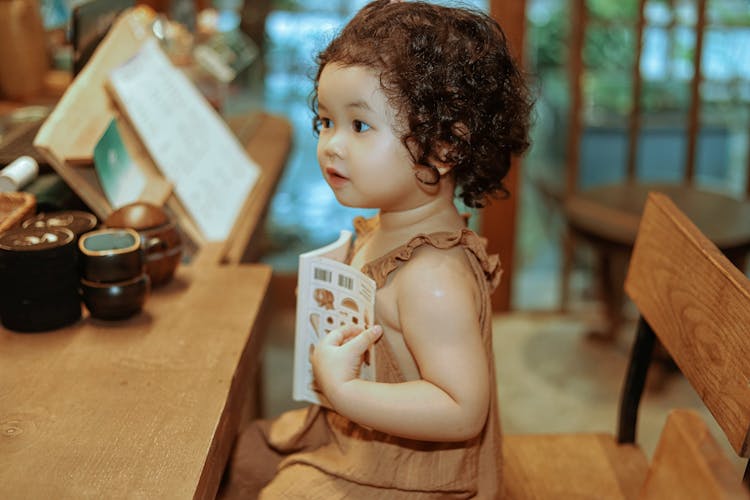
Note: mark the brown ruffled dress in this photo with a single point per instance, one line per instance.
(316, 453)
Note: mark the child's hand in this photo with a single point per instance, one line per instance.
(338, 356)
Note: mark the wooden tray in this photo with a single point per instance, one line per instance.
(15, 207)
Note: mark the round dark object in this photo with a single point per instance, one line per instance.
(50, 245)
(39, 279)
(160, 238)
(139, 215)
(77, 221)
(113, 301)
(110, 255)
(162, 246)
(42, 313)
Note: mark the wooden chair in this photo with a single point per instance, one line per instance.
(606, 217)
(690, 464)
(697, 304)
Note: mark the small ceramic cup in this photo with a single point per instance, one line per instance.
(113, 301)
(110, 255)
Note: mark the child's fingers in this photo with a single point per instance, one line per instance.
(365, 339)
(349, 334)
(341, 335)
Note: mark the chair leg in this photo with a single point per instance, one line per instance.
(738, 259)
(568, 248)
(635, 380)
(612, 272)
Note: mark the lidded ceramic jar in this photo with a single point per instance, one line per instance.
(39, 279)
(77, 221)
(160, 238)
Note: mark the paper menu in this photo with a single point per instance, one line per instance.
(330, 294)
(187, 139)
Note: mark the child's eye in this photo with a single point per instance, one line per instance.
(320, 122)
(360, 126)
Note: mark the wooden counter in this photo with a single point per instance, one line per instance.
(142, 408)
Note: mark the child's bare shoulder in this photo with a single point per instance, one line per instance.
(434, 289)
(439, 270)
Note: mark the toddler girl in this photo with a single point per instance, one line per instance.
(414, 104)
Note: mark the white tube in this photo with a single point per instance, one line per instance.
(18, 174)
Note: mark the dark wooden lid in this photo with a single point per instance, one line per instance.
(139, 215)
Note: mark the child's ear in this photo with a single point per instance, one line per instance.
(441, 159)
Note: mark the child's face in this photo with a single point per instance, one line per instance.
(360, 154)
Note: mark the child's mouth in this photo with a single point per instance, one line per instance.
(335, 178)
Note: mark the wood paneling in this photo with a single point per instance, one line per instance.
(499, 218)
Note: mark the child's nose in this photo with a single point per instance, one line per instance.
(334, 146)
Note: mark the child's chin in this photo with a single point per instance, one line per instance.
(347, 201)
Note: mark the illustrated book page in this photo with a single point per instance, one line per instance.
(330, 294)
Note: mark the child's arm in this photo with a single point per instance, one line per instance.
(438, 311)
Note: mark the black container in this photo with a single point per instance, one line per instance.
(112, 301)
(38, 272)
(77, 221)
(111, 255)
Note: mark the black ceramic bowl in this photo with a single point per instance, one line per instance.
(161, 266)
(115, 300)
(110, 255)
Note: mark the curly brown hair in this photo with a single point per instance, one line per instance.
(449, 74)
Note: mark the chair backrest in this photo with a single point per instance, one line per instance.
(698, 305)
(689, 463)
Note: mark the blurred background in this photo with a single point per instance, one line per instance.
(304, 213)
(278, 41)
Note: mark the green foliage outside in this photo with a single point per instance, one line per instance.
(609, 53)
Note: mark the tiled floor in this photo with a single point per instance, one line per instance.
(551, 378)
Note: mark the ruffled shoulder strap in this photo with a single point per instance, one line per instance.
(364, 226)
(474, 246)
(362, 229)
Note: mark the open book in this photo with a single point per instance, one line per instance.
(330, 294)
